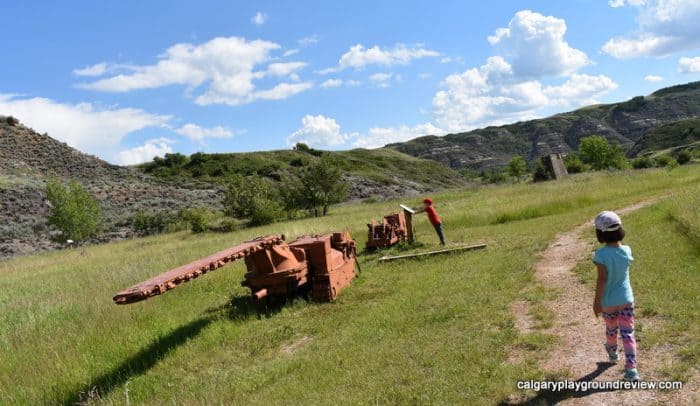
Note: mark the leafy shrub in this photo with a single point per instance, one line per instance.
(597, 152)
(663, 161)
(684, 157)
(494, 175)
(266, 211)
(152, 223)
(74, 211)
(198, 219)
(541, 173)
(574, 164)
(517, 166)
(642, 162)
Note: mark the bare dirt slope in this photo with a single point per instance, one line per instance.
(580, 333)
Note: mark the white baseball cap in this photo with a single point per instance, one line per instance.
(607, 221)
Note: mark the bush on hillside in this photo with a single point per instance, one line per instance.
(684, 157)
(574, 164)
(663, 161)
(541, 174)
(147, 223)
(517, 166)
(642, 162)
(597, 152)
(74, 211)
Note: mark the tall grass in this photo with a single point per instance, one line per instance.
(427, 331)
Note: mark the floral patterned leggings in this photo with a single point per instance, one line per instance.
(624, 321)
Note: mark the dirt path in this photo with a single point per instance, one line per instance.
(580, 333)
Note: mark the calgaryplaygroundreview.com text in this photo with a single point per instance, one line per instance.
(584, 386)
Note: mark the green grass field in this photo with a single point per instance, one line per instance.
(426, 331)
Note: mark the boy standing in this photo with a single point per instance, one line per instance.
(433, 218)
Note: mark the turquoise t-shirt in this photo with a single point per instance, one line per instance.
(617, 261)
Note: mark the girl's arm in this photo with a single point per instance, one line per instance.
(599, 288)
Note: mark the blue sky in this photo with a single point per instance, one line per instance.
(128, 80)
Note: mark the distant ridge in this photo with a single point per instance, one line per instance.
(630, 124)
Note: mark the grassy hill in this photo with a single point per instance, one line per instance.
(29, 159)
(633, 124)
(428, 331)
(370, 173)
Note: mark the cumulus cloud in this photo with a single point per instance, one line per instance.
(359, 57)
(259, 18)
(146, 152)
(382, 79)
(579, 90)
(653, 78)
(332, 83)
(318, 131)
(689, 65)
(535, 45)
(226, 65)
(83, 126)
(198, 134)
(98, 69)
(307, 41)
(665, 27)
(508, 87)
(622, 3)
(379, 136)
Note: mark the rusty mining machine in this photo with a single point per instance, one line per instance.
(321, 264)
(394, 228)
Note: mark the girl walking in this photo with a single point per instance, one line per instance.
(613, 295)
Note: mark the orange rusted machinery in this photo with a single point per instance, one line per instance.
(323, 264)
(394, 228)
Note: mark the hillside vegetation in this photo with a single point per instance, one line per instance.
(370, 173)
(630, 124)
(435, 330)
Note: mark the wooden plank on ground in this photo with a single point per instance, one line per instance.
(430, 253)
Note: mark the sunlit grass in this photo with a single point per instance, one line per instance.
(432, 330)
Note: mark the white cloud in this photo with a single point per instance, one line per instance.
(689, 65)
(535, 46)
(83, 126)
(580, 90)
(283, 91)
(290, 52)
(307, 41)
(318, 131)
(379, 136)
(622, 3)
(508, 87)
(332, 83)
(359, 57)
(146, 152)
(665, 27)
(197, 133)
(653, 78)
(94, 70)
(259, 18)
(284, 68)
(382, 79)
(226, 65)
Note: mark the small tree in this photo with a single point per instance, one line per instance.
(597, 152)
(517, 166)
(252, 198)
(74, 211)
(321, 186)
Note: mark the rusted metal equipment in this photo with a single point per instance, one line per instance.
(430, 253)
(324, 264)
(394, 228)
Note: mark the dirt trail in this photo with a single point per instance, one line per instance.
(581, 335)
